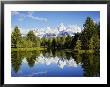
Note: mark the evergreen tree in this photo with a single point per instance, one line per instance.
(78, 45)
(74, 40)
(31, 36)
(94, 43)
(15, 37)
(89, 29)
(68, 41)
(91, 43)
(23, 43)
(37, 42)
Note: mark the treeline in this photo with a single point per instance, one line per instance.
(88, 39)
(28, 41)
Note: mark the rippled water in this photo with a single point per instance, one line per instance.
(54, 64)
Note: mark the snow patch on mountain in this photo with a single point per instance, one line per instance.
(60, 30)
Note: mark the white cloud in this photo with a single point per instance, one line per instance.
(28, 15)
(15, 13)
(20, 19)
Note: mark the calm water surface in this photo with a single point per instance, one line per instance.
(54, 64)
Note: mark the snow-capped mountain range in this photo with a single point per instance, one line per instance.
(61, 30)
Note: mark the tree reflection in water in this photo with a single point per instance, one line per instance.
(90, 63)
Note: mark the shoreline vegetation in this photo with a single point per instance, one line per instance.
(28, 49)
(42, 49)
(87, 41)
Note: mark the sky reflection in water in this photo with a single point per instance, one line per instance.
(52, 66)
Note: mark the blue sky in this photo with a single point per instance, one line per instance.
(43, 19)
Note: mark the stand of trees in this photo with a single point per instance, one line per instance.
(88, 39)
(28, 41)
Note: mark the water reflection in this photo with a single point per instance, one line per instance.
(60, 61)
(91, 64)
(54, 63)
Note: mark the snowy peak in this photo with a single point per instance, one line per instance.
(61, 30)
(61, 27)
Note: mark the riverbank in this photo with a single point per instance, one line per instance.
(28, 49)
(44, 48)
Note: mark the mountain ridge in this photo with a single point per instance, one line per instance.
(59, 31)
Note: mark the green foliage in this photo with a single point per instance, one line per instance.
(68, 41)
(94, 43)
(74, 40)
(89, 24)
(31, 59)
(28, 49)
(91, 43)
(31, 36)
(35, 40)
(78, 45)
(58, 42)
(29, 41)
(16, 60)
(15, 37)
(89, 29)
(23, 43)
(91, 64)
(18, 56)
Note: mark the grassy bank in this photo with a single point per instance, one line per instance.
(27, 49)
(43, 48)
(84, 51)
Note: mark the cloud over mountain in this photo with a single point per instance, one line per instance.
(61, 30)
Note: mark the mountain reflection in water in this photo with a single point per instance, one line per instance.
(61, 62)
(54, 64)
